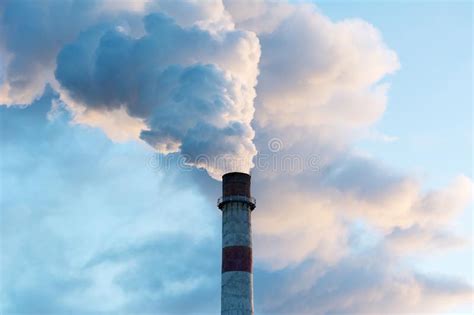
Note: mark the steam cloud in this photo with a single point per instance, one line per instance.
(185, 88)
(185, 84)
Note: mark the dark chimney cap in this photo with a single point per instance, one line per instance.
(236, 184)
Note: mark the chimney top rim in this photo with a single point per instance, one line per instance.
(236, 173)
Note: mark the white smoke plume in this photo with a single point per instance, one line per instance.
(192, 89)
(181, 88)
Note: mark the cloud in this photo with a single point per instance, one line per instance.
(125, 223)
(329, 77)
(175, 289)
(259, 16)
(414, 239)
(210, 15)
(29, 58)
(315, 209)
(359, 284)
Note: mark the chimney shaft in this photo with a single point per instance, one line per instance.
(236, 204)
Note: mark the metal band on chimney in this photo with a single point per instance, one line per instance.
(250, 201)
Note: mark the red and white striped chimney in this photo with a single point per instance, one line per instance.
(236, 204)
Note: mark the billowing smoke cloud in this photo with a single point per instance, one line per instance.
(192, 89)
(180, 88)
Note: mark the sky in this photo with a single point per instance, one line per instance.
(430, 64)
(118, 119)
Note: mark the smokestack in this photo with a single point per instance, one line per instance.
(236, 204)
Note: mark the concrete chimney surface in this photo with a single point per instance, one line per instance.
(237, 279)
(236, 184)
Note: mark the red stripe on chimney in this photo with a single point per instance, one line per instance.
(237, 258)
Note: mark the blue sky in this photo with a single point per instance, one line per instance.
(93, 210)
(431, 94)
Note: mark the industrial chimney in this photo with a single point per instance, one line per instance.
(236, 204)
